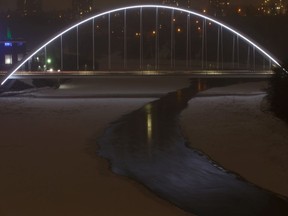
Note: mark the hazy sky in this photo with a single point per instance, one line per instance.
(64, 4)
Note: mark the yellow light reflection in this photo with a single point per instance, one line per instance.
(201, 85)
(149, 122)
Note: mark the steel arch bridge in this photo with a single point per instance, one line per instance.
(159, 38)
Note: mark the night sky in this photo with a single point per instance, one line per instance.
(65, 4)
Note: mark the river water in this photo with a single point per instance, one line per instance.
(148, 146)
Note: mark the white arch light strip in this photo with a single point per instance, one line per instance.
(135, 7)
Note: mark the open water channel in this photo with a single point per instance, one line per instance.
(148, 146)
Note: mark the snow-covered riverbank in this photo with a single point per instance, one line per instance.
(232, 125)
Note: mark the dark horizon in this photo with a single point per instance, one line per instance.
(66, 4)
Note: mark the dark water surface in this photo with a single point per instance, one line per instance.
(147, 145)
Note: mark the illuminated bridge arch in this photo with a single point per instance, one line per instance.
(191, 49)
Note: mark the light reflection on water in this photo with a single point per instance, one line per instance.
(149, 124)
(148, 146)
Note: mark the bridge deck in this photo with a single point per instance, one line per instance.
(192, 74)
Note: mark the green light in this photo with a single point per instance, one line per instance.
(9, 34)
(49, 61)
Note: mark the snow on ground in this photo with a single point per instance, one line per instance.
(232, 125)
(48, 162)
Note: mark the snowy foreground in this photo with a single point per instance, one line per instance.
(48, 164)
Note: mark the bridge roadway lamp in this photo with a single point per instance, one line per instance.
(221, 24)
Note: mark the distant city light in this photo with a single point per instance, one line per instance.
(8, 59)
(8, 44)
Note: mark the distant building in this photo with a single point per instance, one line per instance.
(29, 7)
(83, 7)
(11, 52)
(219, 7)
(272, 7)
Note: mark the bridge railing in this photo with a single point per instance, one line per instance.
(192, 74)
